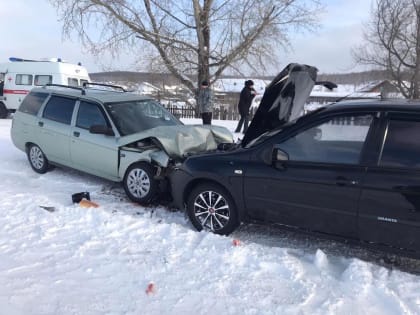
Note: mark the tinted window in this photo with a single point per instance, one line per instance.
(43, 79)
(59, 109)
(402, 144)
(90, 114)
(339, 140)
(24, 79)
(32, 103)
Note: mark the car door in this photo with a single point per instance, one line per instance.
(318, 188)
(390, 200)
(93, 153)
(55, 127)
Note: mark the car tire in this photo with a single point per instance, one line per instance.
(140, 184)
(3, 111)
(211, 207)
(37, 159)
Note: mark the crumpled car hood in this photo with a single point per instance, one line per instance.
(178, 141)
(283, 100)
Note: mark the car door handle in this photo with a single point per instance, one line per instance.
(343, 181)
(76, 133)
(40, 123)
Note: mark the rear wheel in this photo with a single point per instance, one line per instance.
(3, 111)
(37, 159)
(211, 207)
(139, 183)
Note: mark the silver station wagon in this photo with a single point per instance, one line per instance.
(113, 134)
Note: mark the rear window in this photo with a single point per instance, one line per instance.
(59, 109)
(32, 103)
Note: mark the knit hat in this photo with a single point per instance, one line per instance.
(249, 83)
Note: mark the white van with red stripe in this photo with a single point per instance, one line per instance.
(19, 76)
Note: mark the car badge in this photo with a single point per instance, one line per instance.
(239, 172)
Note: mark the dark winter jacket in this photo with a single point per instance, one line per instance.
(245, 100)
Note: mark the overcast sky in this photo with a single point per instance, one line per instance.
(30, 29)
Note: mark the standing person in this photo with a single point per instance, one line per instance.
(205, 103)
(245, 100)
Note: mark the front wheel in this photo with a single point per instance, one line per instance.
(139, 183)
(212, 208)
(37, 159)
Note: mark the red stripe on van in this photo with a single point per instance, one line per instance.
(24, 92)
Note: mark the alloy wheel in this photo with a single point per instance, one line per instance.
(138, 183)
(37, 157)
(212, 210)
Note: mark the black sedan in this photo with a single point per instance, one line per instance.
(351, 169)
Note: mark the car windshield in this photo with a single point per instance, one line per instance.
(136, 116)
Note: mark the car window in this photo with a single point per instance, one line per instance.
(402, 144)
(90, 114)
(136, 116)
(32, 103)
(59, 109)
(338, 140)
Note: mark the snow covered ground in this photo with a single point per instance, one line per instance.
(122, 258)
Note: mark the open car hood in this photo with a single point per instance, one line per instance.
(283, 100)
(179, 141)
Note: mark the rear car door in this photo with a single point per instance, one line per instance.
(390, 200)
(55, 127)
(93, 153)
(318, 188)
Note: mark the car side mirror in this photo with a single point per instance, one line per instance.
(102, 130)
(274, 156)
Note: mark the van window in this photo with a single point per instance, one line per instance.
(72, 82)
(43, 79)
(24, 79)
(59, 109)
(32, 103)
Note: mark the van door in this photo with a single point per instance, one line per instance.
(55, 128)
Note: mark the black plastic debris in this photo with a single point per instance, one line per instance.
(77, 197)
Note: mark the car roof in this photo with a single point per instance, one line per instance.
(102, 96)
(376, 105)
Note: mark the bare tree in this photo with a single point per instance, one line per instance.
(201, 38)
(392, 43)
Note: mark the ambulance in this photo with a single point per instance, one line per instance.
(19, 76)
